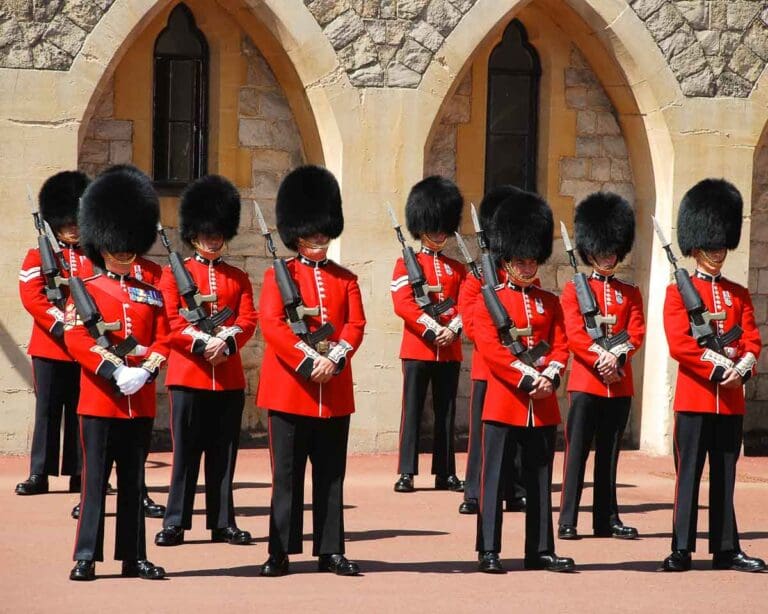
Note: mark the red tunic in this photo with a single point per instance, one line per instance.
(614, 297)
(139, 309)
(45, 316)
(438, 269)
(283, 385)
(147, 271)
(505, 401)
(469, 297)
(186, 365)
(695, 391)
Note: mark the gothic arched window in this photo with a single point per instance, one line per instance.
(180, 104)
(514, 72)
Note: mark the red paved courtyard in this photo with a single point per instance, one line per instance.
(415, 550)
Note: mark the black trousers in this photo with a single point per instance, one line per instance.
(514, 487)
(537, 446)
(57, 389)
(124, 442)
(696, 436)
(292, 440)
(602, 420)
(204, 422)
(444, 377)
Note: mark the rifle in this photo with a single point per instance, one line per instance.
(51, 258)
(94, 322)
(698, 315)
(194, 313)
(295, 310)
(593, 318)
(509, 334)
(417, 279)
(487, 261)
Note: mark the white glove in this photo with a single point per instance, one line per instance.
(131, 379)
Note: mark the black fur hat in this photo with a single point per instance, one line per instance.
(118, 213)
(209, 205)
(434, 205)
(710, 217)
(491, 201)
(308, 202)
(604, 224)
(59, 198)
(522, 228)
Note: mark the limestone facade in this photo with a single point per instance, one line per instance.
(368, 89)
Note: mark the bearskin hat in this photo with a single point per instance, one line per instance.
(434, 205)
(308, 203)
(709, 217)
(209, 205)
(604, 224)
(491, 201)
(522, 228)
(60, 197)
(119, 212)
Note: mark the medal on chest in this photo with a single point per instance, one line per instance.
(539, 305)
(727, 299)
(150, 297)
(448, 269)
(619, 296)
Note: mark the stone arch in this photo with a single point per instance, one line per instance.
(629, 68)
(291, 46)
(756, 420)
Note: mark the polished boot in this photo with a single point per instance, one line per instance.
(549, 562)
(737, 560)
(338, 564)
(83, 571)
(469, 506)
(567, 532)
(35, 484)
(75, 512)
(170, 536)
(516, 504)
(619, 531)
(276, 565)
(231, 535)
(404, 483)
(152, 509)
(489, 562)
(679, 560)
(449, 482)
(74, 483)
(142, 569)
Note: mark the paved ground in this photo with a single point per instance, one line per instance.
(415, 550)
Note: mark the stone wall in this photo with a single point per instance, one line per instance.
(387, 43)
(107, 140)
(756, 420)
(714, 47)
(441, 157)
(46, 35)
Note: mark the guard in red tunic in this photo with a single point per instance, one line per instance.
(305, 383)
(600, 385)
(431, 346)
(56, 375)
(149, 272)
(469, 298)
(205, 372)
(520, 403)
(118, 216)
(709, 394)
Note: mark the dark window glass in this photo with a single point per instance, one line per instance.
(514, 72)
(180, 109)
